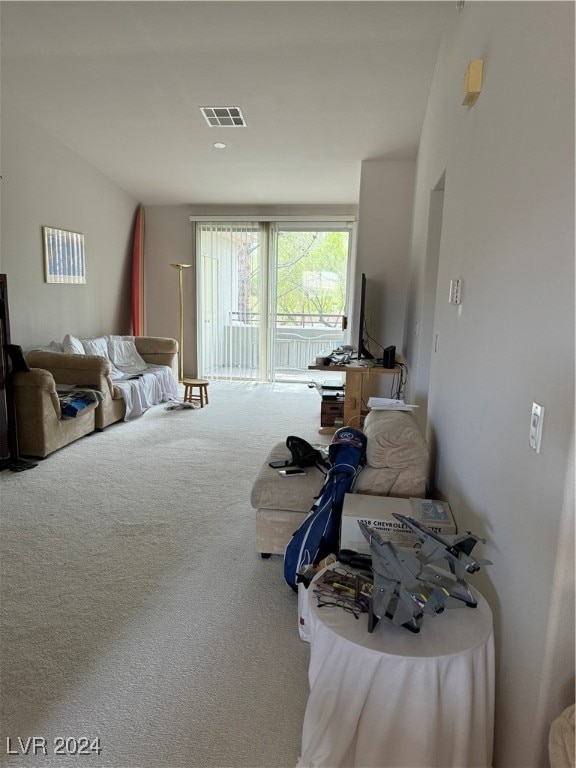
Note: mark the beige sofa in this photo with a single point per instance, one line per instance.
(41, 429)
(94, 371)
(397, 465)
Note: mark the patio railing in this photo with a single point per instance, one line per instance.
(296, 346)
(293, 320)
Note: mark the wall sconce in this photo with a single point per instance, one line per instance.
(181, 268)
(473, 81)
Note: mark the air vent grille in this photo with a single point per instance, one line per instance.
(224, 117)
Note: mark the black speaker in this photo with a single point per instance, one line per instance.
(389, 357)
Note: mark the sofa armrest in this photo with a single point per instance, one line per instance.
(29, 385)
(83, 370)
(158, 350)
(155, 345)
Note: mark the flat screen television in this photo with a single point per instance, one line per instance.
(362, 352)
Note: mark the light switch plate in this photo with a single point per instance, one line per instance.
(536, 426)
(455, 293)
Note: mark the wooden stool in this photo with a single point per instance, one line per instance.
(190, 385)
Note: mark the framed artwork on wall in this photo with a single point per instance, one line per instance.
(64, 257)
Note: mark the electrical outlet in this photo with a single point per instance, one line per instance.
(536, 426)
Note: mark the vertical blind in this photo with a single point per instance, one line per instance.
(231, 299)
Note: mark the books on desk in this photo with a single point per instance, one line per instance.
(388, 404)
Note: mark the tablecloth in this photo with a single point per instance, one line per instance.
(391, 698)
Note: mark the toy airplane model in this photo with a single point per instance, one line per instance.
(398, 591)
(454, 549)
(406, 587)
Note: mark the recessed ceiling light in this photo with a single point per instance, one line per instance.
(223, 117)
(219, 145)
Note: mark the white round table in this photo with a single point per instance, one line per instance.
(392, 698)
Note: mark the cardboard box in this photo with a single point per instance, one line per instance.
(376, 511)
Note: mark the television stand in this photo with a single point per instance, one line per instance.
(355, 376)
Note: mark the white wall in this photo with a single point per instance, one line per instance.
(508, 233)
(44, 183)
(383, 254)
(386, 194)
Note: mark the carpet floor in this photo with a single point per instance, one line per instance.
(134, 607)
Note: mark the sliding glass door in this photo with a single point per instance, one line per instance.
(308, 297)
(271, 298)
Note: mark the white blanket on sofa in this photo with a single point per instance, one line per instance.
(155, 384)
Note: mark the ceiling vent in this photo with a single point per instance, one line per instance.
(223, 117)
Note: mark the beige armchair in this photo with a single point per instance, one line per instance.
(41, 428)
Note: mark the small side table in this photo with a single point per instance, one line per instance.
(393, 699)
(201, 397)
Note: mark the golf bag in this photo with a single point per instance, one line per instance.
(319, 533)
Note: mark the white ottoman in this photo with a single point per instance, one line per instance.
(397, 465)
(281, 503)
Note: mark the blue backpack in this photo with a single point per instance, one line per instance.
(319, 533)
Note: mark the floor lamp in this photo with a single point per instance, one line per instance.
(181, 268)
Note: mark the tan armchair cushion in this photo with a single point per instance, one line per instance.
(397, 455)
(272, 491)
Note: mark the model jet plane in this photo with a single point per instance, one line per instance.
(406, 587)
(456, 550)
(399, 592)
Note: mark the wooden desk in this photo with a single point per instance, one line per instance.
(355, 377)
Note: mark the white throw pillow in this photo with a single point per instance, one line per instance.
(124, 354)
(72, 346)
(96, 347)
